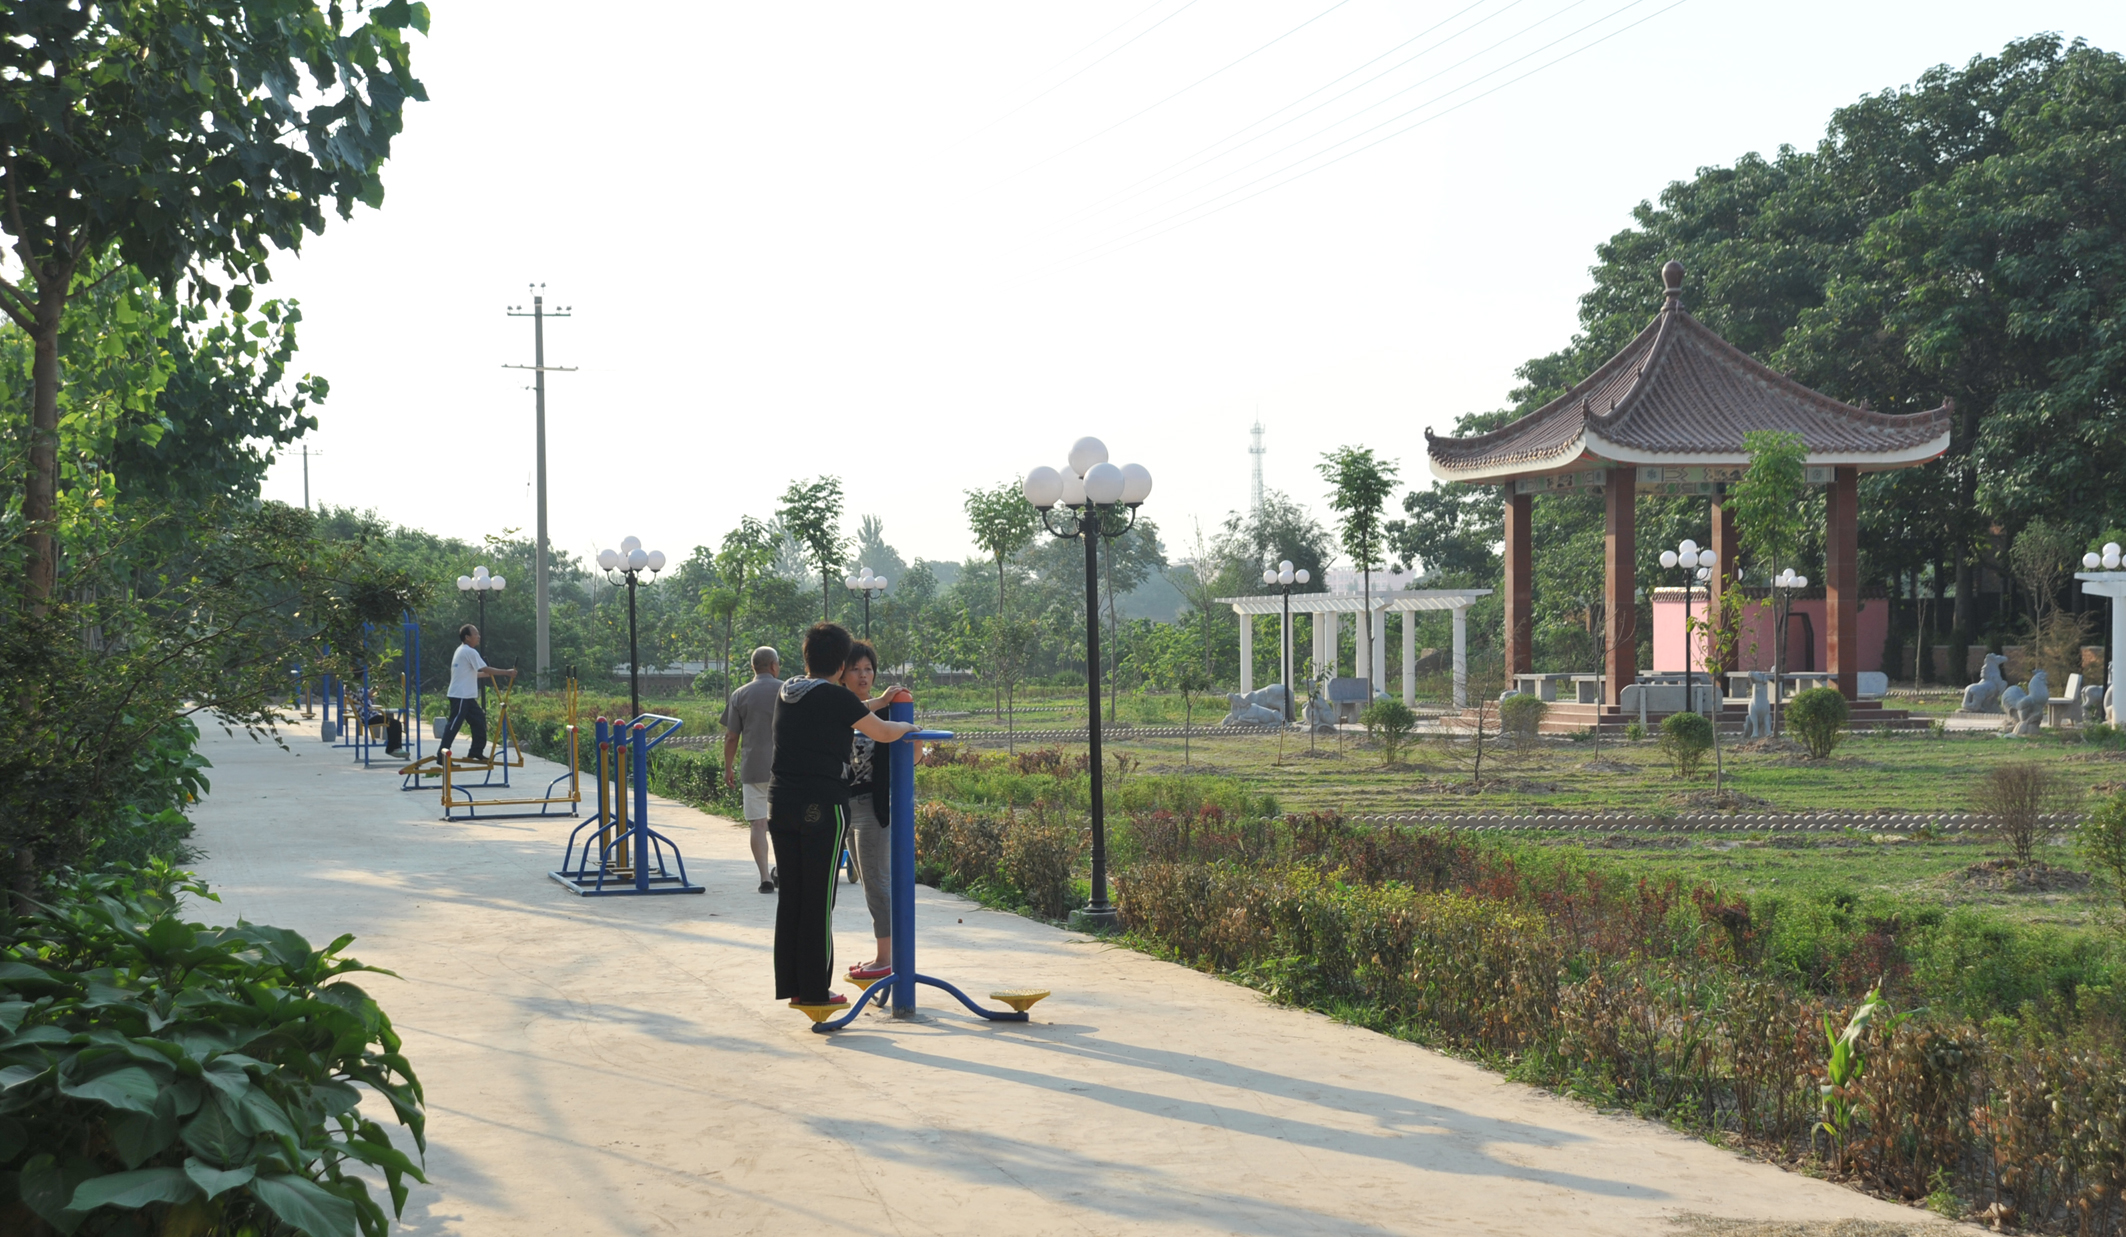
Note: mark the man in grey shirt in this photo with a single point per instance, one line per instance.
(749, 727)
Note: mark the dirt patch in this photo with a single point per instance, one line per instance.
(1777, 746)
(1719, 801)
(1643, 841)
(2008, 876)
(1607, 766)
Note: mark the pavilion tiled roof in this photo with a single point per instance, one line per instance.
(1680, 394)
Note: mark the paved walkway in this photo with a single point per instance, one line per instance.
(615, 1065)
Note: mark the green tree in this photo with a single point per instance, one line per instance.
(1177, 665)
(1004, 524)
(1768, 505)
(811, 513)
(188, 138)
(1360, 485)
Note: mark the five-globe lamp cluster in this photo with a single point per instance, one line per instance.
(1088, 479)
(1689, 557)
(481, 582)
(2108, 560)
(629, 559)
(866, 582)
(1283, 573)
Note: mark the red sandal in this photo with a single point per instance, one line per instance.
(872, 971)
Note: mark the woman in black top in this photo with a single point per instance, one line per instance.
(808, 810)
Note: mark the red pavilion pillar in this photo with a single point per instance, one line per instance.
(1841, 582)
(1725, 544)
(1620, 618)
(1520, 584)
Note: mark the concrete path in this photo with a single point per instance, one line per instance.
(616, 1065)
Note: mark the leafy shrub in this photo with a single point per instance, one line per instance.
(1818, 716)
(1685, 739)
(1634, 732)
(1521, 719)
(164, 1076)
(1388, 723)
(2102, 843)
(1041, 851)
(2018, 801)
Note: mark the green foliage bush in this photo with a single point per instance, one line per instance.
(165, 1076)
(2101, 842)
(1634, 732)
(1521, 719)
(1685, 739)
(970, 779)
(1818, 717)
(1025, 861)
(1388, 723)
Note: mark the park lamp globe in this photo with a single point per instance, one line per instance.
(2108, 560)
(1042, 487)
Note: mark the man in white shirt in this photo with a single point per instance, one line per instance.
(467, 668)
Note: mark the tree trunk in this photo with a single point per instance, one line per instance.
(40, 493)
(25, 882)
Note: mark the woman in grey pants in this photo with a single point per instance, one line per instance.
(870, 817)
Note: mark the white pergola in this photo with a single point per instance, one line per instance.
(1372, 637)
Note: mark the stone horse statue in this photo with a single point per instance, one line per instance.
(1759, 724)
(1257, 708)
(2026, 706)
(1984, 696)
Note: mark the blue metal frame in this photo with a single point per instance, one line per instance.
(901, 983)
(634, 847)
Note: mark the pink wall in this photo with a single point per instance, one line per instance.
(1757, 625)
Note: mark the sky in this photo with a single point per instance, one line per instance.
(925, 248)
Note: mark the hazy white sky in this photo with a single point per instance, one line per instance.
(925, 247)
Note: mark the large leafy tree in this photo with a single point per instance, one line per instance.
(188, 137)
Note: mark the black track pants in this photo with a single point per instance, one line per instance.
(808, 851)
(465, 712)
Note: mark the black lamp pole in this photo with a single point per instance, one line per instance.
(634, 660)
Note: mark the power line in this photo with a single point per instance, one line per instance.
(1170, 98)
(1107, 248)
(1088, 68)
(1124, 194)
(1425, 80)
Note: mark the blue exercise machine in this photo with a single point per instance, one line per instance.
(619, 854)
(901, 984)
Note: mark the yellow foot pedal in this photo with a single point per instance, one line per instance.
(820, 1013)
(1020, 999)
(859, 981)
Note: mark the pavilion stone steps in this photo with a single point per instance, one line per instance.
(1566, 718)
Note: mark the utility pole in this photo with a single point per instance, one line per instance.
(307, 453)
(539, 313)
(1256, 449)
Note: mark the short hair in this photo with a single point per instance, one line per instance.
(861, 650)
(465, 632)
(765, 658)
(826, 649)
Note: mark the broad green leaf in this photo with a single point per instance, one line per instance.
(267, 1116)
(216, 1136)
(15, 974)
(45, 1189)
(304, 1204)
(139, 1135)
(130, 1088)
(214, 1180)
(134, 1189)
(12, 1013)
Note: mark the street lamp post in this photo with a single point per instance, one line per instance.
(867, 584)
(1699, 563)
(1283, 577)
(625, 566)
(1091, 492)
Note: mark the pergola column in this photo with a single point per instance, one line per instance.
(1409, 658)
(1520, 585)
(1332, 644)
(1461, 657)
(1247, 651)
(1841, 553)
(1620, 582)
(1377, 646)
(1724, 544)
